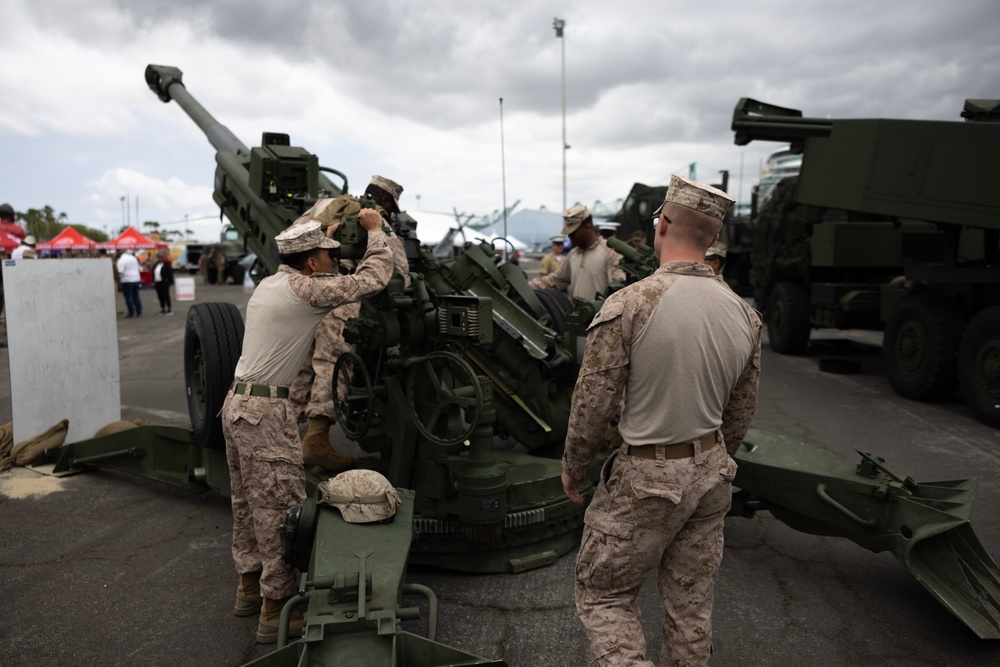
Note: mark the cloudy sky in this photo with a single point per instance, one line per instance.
(411, 89)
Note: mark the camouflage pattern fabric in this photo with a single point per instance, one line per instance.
(663, 516)
(312, 391)
(266, 477)
(650, 515)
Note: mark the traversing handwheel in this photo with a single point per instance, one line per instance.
(445, 397)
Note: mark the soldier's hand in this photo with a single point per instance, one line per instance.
(331, 229)
(370, 219)
(569, 486)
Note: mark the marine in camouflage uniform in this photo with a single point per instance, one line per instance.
(259, 422)
(551, 261)
(312, 391)
(679, 354)
(590, 266)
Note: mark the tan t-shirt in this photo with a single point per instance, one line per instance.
(587, 273)
(682, 350)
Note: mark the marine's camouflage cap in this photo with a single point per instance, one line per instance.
(717, 250)
(573, 218)
(362, 496)
(303, 237)
(698, 196)
(392, 187)
(558, 238)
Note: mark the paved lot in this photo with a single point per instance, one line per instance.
(107, 569)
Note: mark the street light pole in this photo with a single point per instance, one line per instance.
(559, 25)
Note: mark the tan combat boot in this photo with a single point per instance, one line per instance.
(316, 449)
(270, 614)
(248, 598)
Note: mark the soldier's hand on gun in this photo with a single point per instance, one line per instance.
(370, 219)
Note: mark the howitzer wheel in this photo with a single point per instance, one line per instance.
(979, 365)
(353, 405)
(446, 399)
(213, 340)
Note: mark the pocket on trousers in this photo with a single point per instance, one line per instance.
(251, 417)
(600, 551)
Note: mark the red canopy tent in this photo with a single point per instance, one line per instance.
(132, 239)
(68, 239)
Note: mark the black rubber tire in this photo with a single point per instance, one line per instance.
(920, 346)
(236, 272)
(558, 305)
(788, 325)
(979, 365)
(213, 340)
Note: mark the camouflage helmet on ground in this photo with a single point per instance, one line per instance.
(362, 496)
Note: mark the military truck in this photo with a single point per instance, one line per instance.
(892, 225)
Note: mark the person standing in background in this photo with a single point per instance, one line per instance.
(131, 277)
(163, 278)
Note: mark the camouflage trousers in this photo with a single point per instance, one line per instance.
(312, 391)
(266, 478)
(653, 515)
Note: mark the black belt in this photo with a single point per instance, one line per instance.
(680, 450)
(261, 390)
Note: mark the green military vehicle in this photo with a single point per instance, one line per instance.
(891, 225)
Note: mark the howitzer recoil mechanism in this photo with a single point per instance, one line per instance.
(445, 370)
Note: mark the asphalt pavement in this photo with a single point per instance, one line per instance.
(102, 568)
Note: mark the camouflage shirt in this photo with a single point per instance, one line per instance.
(618, 336)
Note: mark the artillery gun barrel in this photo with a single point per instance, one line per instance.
(166, 82)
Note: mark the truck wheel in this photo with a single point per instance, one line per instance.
(236, 273)
(920, 346)
(213, 341)
(979, 365)
(788, 318)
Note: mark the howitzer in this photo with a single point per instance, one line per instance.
(466, 355)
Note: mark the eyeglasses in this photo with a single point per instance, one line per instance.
(656, 220)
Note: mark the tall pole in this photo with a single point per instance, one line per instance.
(559, 25)
(503, 173)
